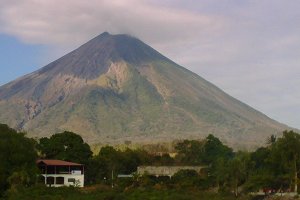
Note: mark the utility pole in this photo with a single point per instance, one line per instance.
(112, 178)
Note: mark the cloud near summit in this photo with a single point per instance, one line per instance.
(73, 22)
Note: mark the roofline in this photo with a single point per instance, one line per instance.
(59, 162)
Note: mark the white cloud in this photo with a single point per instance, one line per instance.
(73, 22)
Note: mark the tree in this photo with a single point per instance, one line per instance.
(186, 178)
(286, 152)
(18, 179)
(238, 170)
(113, 162)
(214, 149)
(164, 159)
(271, 140)
(95, 171)
(218, 172)
(65, 146)
(17, 159)
(190, 152)
(261, 170)
(120, 162)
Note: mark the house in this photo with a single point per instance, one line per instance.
(58, 173)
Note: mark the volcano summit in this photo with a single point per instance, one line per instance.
(116, 88)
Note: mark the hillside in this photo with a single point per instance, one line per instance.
(115, 88)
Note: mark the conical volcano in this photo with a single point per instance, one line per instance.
(117, 88)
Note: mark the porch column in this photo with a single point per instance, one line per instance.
(46, 172)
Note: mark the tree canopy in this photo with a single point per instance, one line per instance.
(17, 159)
(65, 146)
(276, 165)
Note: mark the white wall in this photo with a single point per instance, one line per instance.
(79, 178)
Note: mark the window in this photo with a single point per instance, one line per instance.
(60, 180)
(71, 180)
(50, 180)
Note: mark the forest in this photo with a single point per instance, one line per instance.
(228, 174)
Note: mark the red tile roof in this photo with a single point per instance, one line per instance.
(57, 163)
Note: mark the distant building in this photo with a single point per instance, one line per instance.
(166, 170)
(58, 173)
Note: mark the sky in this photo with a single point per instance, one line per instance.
(249, 48)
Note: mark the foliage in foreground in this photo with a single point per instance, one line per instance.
(105, 193)
(275, 166)
(17, 159)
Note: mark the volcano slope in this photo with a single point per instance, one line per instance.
(116, 88)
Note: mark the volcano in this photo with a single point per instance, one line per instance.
(116, 88)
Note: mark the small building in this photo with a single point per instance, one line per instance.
(58, 173)
(166, 170)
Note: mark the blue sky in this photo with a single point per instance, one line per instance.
(16, 58)
(248, 48)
